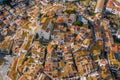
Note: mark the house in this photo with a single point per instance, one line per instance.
(62, 19)
(118, 34)
(13, 69)
(86, 43)
(72, 18)
(59, 11)
(18, 40)
(113, 6)
(43, 3)
(27, 43)
(99, 6)
(6, 45)
(115, 47)
(103, 62)
(37, 51)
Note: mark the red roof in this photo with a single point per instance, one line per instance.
(113, 4)
(115, 47)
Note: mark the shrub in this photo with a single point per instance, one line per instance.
(78, 23)
(70, 11)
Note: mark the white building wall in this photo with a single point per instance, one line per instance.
(98, 10)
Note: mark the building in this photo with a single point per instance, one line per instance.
(72, 18)
(6, 45)
(115, 48)
(27, 43)
(113, 6)
(118, 34)
(99, 6)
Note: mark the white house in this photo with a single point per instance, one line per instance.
(118, 34)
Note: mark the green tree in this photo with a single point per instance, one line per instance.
(78, 23)
(70, 11)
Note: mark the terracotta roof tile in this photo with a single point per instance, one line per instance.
(113, 4)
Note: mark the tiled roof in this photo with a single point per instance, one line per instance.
(115, 47)
(113, 4)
